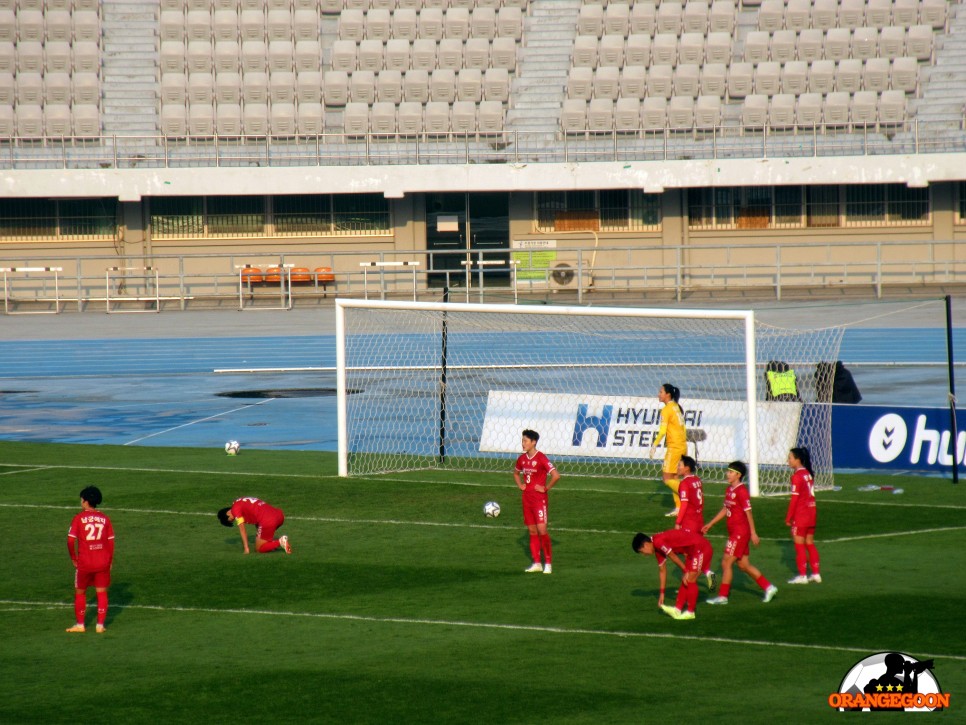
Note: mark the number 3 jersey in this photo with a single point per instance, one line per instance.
(94, 535)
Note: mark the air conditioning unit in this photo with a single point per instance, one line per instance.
(565, 275)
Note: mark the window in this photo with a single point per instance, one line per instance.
(886, 204)
(177, 217)
(609, 210)
(822, 206)
(68, 219)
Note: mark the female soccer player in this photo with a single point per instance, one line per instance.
(90, 542)
(741, 530)
(801, 516)
(266, 519)
(696, 551)
(535, 475)
(673, 435)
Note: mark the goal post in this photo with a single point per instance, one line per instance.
(433, 385)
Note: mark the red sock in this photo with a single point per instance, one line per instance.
(269, 546)
(682, 599)
(693, 596)
(545, 545)
(101, 607)
(801, 556)
(725, 590)
(763, 582)
(535, 548)
(812, 557)
(80, 607)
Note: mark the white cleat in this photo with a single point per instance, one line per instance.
(285, 544)
(717, 600)
(535, 568)
(671, 514)
(817, 578)
(547, 569)
(800, 579)
(770, 593)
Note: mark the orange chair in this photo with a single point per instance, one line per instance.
(324, 276)
(273, 274)
(252, 275)
(300, 275)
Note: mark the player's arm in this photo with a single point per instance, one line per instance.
(792, 505)
(677, 560)
(718, 516)
(552, 477)
(243, 532)
(516, 478)
(662, 581)
(681, 513)
(751, 524)
(72, 548)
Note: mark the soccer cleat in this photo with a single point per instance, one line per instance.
(817, 578)
(712, 580)
(535, 567)
(800, 579)
(77, 628)
(100, 629)
(671, 514)
(285, 545)
(717, 600)
(770, 593)
(686, 615)
(672, 612)
(547, 569)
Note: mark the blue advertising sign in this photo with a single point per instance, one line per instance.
(908, 439)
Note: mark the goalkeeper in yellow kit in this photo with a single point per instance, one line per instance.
(674, 437)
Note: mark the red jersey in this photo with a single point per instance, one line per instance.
(534, 471)
(691, 492)
(677, 540)
(801, 509)
(254, 511)
(90, 541)
(737, 502)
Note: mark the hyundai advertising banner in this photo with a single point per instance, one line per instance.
(895, 438)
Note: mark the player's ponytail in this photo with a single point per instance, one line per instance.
(805, 458)
(675, 393)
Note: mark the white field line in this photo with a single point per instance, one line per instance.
(455, 525)
(199, 420)
(488, 625)
(28, 467)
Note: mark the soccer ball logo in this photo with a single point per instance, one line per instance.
(231, 448)
(491, 509)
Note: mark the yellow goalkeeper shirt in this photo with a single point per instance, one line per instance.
(672, 427)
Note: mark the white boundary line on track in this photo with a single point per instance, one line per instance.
(199, 420)
(446, 524)
(488, 625)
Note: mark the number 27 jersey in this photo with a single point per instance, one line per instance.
(95, 537)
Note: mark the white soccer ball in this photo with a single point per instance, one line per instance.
(231, 448)
(491, 509)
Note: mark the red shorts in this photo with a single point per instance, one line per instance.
(737, 545)
(803, 531)
(534, 511)
(697, 556)
(98, 579)
(266, 529)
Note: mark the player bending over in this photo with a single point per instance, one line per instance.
(695, 549)
(266, 518)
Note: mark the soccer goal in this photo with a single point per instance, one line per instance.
(425, 385)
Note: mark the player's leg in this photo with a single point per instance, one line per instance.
(82, 580)
(265, 540)
(744, 563)
(727, 574)
(670, 475)
(530, 520)
(813, 561)
(544, 536)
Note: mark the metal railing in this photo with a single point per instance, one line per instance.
(576, 274)
(507, 147)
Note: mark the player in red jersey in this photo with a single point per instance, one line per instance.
(741, 531)
(801, 516)
(90, 542)
(535, 475)
(696, 551)
(691, 511)
(266, 518)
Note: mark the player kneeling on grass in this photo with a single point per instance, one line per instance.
(90, 542)
(741, 530)
(266, 518)
(696, 551)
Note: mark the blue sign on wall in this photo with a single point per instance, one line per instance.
(909, 439)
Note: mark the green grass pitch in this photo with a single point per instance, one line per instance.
(402, 604)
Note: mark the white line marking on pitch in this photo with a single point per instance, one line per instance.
(491, 625)
(200, 420)
(452, 525)
(24, 470)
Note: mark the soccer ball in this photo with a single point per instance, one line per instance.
(231, 448)
(491, 509)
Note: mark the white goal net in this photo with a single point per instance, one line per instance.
(451, 386)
